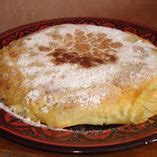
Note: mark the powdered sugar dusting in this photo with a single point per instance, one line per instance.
(33, 94)
(75, 84)
(37, 39)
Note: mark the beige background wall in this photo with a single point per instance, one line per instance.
(17, 12)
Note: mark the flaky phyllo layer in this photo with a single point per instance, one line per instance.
(69, 74)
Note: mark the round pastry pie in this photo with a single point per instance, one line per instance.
(70, 74)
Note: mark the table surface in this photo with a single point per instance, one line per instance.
(17, 12)
(11, 149)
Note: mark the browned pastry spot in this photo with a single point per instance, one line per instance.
(13, 54)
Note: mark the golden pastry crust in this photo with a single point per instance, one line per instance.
(80, 74)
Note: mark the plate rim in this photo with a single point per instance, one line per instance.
(3, 34)
(154, 29)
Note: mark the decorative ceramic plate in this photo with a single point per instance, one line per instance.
(84, 138)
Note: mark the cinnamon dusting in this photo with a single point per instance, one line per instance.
(86, 50)
(61, 56)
